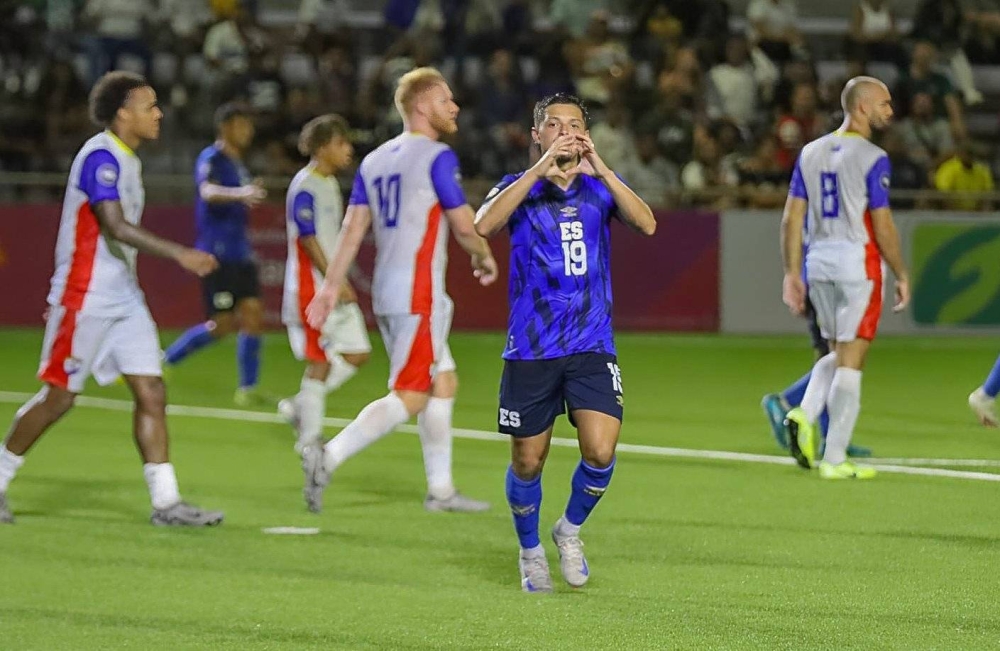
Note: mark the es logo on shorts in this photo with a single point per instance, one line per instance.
(510, 418)
(222, 300)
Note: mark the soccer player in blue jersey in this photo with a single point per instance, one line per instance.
(226, 192)
(560, 347)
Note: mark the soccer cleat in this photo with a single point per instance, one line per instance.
(572, 562)
(6, 517)
(535, 575)
(316, 476)
(775, 410)
(801, 437)
(845, 470)
(984, 407)
(183, 514)
(457, 503)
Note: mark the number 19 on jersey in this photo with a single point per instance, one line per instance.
(574, 248)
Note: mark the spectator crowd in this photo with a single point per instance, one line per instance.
(690, 104)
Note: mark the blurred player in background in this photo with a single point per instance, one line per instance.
(225, 194)
(314, 209)
(841, 185)
(560, 346)
(402, 190)
(98, 323)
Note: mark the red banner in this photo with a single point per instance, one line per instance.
(666, 282)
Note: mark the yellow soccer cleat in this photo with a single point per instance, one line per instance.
(801, 437)
(846, 470)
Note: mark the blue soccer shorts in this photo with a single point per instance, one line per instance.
(533, 393)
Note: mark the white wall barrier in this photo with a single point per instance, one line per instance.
(954, 261)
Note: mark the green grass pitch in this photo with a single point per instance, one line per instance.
(685, 553)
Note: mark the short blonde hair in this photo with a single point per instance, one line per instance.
(412, 84)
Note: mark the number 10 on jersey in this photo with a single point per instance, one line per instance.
(387, 193)
(574, 248)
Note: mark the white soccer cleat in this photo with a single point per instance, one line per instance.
(535, 575)
(457, 503)
(984, 407)
(316, 476)
(572, 562)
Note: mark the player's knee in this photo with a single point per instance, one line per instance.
(600, 458)
(151, 395)
(527, 460)
(446, 384)
(222, 324)
(357, 360)
(58, 401)
(527, 468)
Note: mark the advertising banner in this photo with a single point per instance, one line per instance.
(667, 282)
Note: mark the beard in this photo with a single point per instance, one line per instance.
(444, 125)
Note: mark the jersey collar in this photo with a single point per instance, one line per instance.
(120, 142)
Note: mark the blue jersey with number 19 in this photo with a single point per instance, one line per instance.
(560, 270)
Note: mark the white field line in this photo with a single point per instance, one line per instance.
(900, 466)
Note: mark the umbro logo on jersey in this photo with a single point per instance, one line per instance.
(306, 214)
(568, 211)
(836, 148)
(884, 180)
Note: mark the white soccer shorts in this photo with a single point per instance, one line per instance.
(79, 345)
(417, 345)
(847, 311)
(344, 333)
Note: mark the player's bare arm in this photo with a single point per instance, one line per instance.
(461, 220)
(314, 251)
(793, 289)
(887, 239)
(634, 211)
(356, 223)
(249, 195)
(494, 214)
(114, 225)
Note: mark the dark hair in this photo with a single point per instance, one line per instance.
(110, 94)
(231, 110)
(320, 131)
(559, 98)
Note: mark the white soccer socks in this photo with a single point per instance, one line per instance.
(819, 387)
(311, 403)
(162, 482)
(340, 373)
(434, 425)
(375, 421)
(9, 465)
(844, 405)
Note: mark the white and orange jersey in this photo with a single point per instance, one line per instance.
(313, 208)
(93, 273)
(407, 183)
(843, 177)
